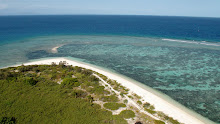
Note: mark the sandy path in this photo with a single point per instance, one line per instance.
(129, 99)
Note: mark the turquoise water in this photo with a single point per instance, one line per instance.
(178, 56)
(187, 73)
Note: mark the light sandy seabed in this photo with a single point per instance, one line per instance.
(160, 101)
(54, 49)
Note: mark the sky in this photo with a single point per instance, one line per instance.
(197, 8)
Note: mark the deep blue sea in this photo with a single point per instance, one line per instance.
(191, 28)
(179, 56)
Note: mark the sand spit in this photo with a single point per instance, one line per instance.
(54, 49)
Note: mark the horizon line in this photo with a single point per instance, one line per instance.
(105, 15)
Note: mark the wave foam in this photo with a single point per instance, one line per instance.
(193, 42)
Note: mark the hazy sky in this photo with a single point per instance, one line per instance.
(202, 8)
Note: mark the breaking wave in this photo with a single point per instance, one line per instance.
(193, 42)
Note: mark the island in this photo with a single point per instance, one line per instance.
(60, 90)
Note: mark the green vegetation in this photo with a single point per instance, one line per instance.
(31, 94)
(90, 98)
(7, 120)
(139, 102)
(113, 105)
(170, 119)
(146, 105)
(127, 114)
(30, 80)
(158, 122)
(152, 107)
(122, 94)
(117, 86)
(70, 82)
(147, 118)
(150, 111)
(149, 108)
(102, 76)
(125, 101)
(98, 90)
(111, 98)
(131, 97)
(136, 96)
(78, 93)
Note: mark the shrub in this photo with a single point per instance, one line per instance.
(139, 102)
(31, 81)
(70, 82)
(138, 97)
(114, 106)
(152, 107)
(130, 97)
(111, 98)
(86, 72)
(7, 75)
(79, 94)
(22, 68)
(90, 98)
(127, 114)
(125, 101)
(150, 111)
(162, 115)
(62, 64)
(146, 105)
(158, 122)
(138, 122)
(102, 76)
(93, 78)
(106, 92)
(53, 64)
(173, 121)
(78, 69)
(96, 106)
(99, 89)
(122, 94)
(7, 120)
(48, 103)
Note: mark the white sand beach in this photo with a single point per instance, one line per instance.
(161, 102)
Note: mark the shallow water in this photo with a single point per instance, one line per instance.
(188, 73)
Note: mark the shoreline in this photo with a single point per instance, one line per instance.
(161, 101)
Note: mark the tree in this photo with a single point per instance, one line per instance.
(7, 120)
(31, 81)
(62, 64)
(53, 64)
(90, 98)
(70, 82)
(86, 72)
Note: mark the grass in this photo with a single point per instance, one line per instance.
(127, 114)
(111, 98)
(150, 111)
(113, 105)
(158, 122)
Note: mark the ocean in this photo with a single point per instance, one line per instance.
(178, 56)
